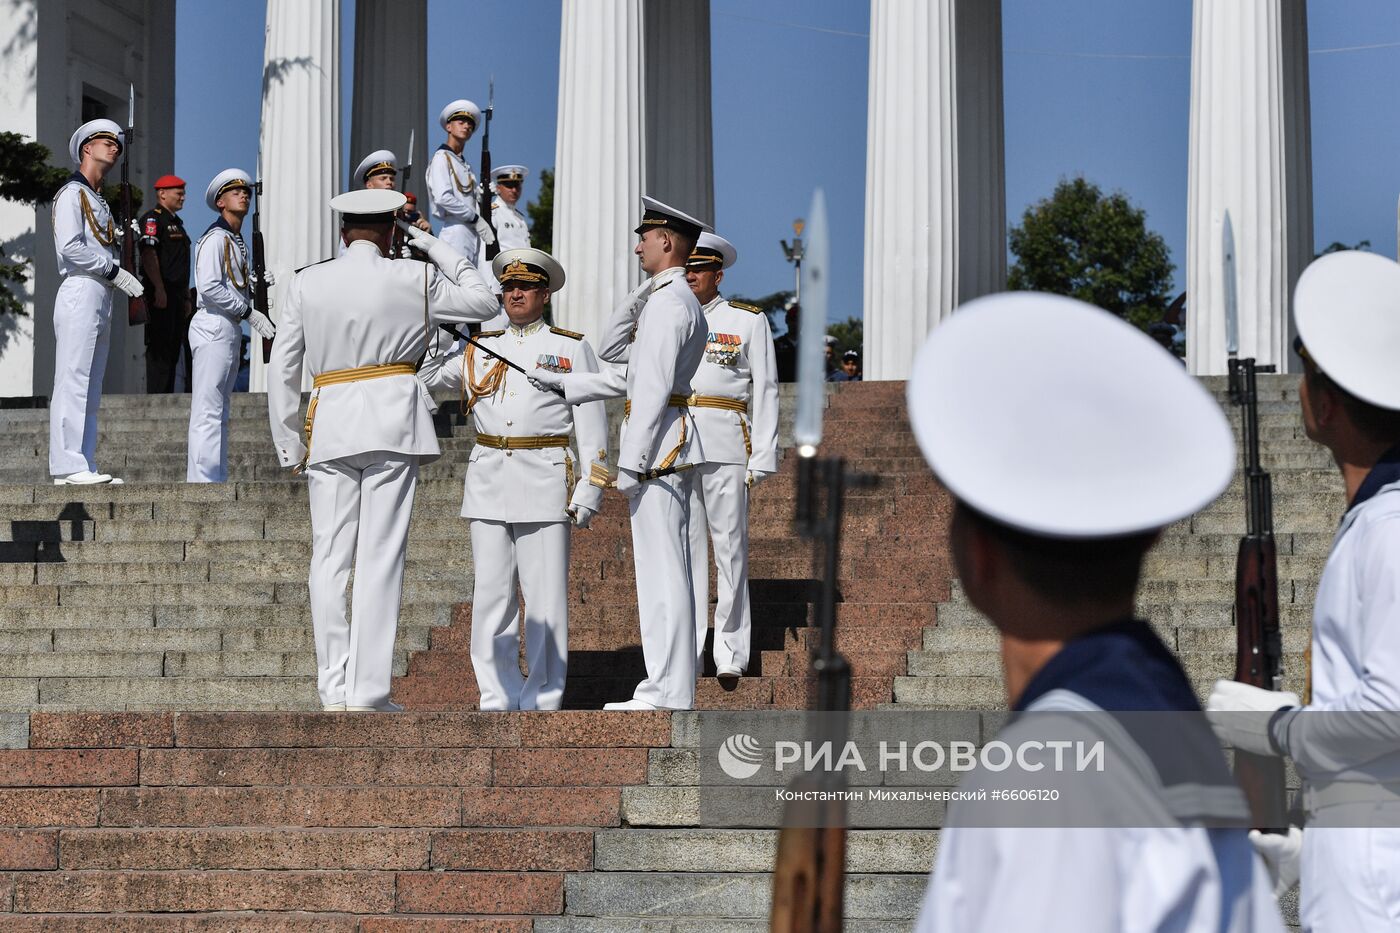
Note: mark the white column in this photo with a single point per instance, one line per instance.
(391, 86)
(679, 132)
(634, 118)
(299, 154)
(935, 191)
(598, 158)
(1250, 155)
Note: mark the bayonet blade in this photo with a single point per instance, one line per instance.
(811, 342)
(408, 165)
(130, 106)
(1232, 297)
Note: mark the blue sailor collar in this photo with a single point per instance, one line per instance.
(444, 147)
(1385, 472)
(1122, 666)
(81, 179)
(220, 223)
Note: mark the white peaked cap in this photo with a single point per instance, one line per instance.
(87, 131)
(375, 158)
(533, 261)
(228, 178)
(509, 170)
(1347, 308)
(710, 244)
(460, 106)
(368, 201)
(1057, 418)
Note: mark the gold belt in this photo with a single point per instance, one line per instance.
(719, 401)
(335, 377)
(674, 401)
(528, 442)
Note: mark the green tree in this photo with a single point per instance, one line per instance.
(1093, 247)
(1336, 246)
(541, 211)
(27, 178)
(849, 334)
(774, 306)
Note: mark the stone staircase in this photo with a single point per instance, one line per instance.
(135, 619)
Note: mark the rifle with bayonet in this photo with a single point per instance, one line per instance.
(494, 247)
(1258, 639)
(399, 248)
(135, 307)
(260, 298)
(809, 874)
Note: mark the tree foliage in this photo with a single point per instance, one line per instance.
(541, 211)
(849, 334)
(1094, 247)
(774, 306)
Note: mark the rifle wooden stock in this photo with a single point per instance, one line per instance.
(810, 874)
(1258, 639)
(260, 301)
(484, 205)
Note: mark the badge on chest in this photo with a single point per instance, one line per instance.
(723, 349)
(555, 364)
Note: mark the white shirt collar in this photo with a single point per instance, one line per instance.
(532, 328)
(713, 303)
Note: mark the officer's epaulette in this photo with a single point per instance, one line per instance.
(310, 264)
(491, 333)
(745, 306)
(565, 333)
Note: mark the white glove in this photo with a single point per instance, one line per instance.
(638, 296)
(582, 515)
(547, 380)
(423, 239)
(483, 230)
(271, 281)
(627, 483)
(1238, 714)
(262, 325)
(1283, 857)
(128, 283)
(756, 475)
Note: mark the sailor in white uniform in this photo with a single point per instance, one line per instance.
(359, 323)
(380, 170)
(512, 230)
(1105, 441)
(224, 299)
(735, 406)
(452, 186)
(86, 240)
(659, 332)
(525, 486)
(1345, 742)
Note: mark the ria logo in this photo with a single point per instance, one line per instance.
(740, 756)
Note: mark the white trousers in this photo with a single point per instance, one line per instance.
(82, 329)
(463, 238)
(1351, 878)
(719, 511)
(215, 341)
(665, 596)
(536, 555)
(360, 508)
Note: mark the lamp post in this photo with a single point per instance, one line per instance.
(794, 256)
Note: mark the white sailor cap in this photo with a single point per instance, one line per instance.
(377, 162)
(1059, 419)
(93, 129)
(528, 265)
(460, 108)
(712, 250)
(1347, 308)
(227, 179)
(372, 205)
(657, 214)
(509, 173)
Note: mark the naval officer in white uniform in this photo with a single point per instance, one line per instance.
(1345, 742)
(524, 485)
(452, 186)
(512, 230)
(89, 260)
(224, 299)
(659, 332)
(359, 323)
(735, 407)
(1105, 441)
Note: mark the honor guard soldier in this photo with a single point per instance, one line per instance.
(1104, 441)
(85, 237)
(452, 188)
(1345, 741)
(358, 323)
(224, 291)
(735, 407)
(512, 230)
(165, 267)
(524, 485)
(659, 332)
(380, 170)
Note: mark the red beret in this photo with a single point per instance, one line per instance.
(412, 198)
(169, 181)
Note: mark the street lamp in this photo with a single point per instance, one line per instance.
(794, 256)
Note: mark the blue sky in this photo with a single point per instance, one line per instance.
(1093, 87)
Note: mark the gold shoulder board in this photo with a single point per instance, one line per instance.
(565, 333)
(491, 333)
(745, 306)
